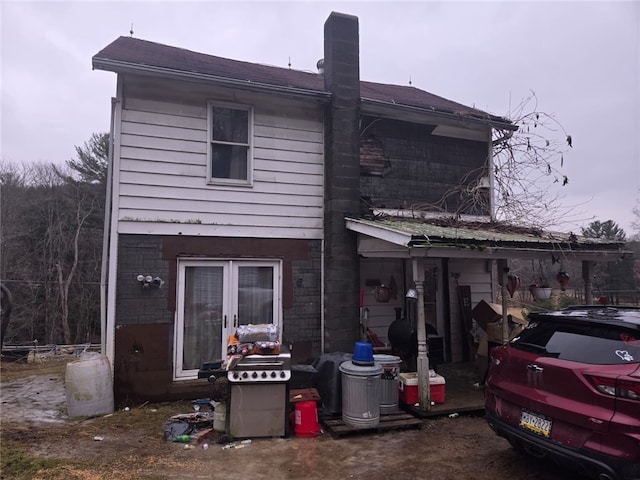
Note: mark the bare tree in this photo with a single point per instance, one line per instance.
(527, 167)
(52, 222)
(636, 222)
(17, 254)
(85, 206)
(525, 170)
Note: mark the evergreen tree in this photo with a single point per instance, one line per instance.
(608, 230)
(616, 280)
(92, 159)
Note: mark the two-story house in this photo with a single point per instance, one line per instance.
(243, 193)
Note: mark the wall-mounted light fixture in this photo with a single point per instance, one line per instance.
(146, 280)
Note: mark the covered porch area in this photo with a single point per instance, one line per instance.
(447, 267)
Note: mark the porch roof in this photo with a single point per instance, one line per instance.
(409, 237)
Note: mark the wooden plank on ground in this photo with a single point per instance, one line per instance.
(394, 421)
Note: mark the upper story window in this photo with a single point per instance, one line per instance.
(230, 153)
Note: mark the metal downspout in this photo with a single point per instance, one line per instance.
(322, 315)
(104, 269)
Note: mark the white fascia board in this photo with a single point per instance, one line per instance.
(376, 248)
(510, 253)
(395, 237)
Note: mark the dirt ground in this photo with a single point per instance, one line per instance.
(40, 442)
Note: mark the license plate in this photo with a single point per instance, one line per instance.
(535, 423)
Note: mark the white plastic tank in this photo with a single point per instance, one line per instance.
(89, 386)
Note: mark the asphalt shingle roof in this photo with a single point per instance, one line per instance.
(137, 52)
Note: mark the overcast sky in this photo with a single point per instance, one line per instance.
(582, 59)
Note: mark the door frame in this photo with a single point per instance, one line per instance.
(229, 302)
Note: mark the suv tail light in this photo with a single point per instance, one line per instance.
(616, 388)
(629, 389)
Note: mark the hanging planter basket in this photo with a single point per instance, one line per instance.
(563, 279)
(381, 294)
(540, 293)
(513, 284)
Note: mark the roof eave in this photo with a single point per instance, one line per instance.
(120, 67)
(379, 107)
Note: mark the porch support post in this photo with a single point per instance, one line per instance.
(587, 276)
(503, 272)
(422, 363)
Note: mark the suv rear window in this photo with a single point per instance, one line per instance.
(586, 342)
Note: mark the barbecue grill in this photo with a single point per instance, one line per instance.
(259, 395)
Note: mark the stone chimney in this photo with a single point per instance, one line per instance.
(342, 181)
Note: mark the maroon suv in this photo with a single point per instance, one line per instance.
(568, 389)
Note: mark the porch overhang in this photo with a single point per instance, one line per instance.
(405, 238)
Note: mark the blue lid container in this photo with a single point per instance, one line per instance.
(363, 353)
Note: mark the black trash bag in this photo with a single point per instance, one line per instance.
(175, 428)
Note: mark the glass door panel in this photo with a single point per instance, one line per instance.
(256, 294)
(203, 315)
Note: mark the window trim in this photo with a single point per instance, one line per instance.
(211, 180)
(230, 271)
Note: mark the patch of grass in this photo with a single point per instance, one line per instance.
(17, 463)
(138, 435)
(146, 421)
(133, 445)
